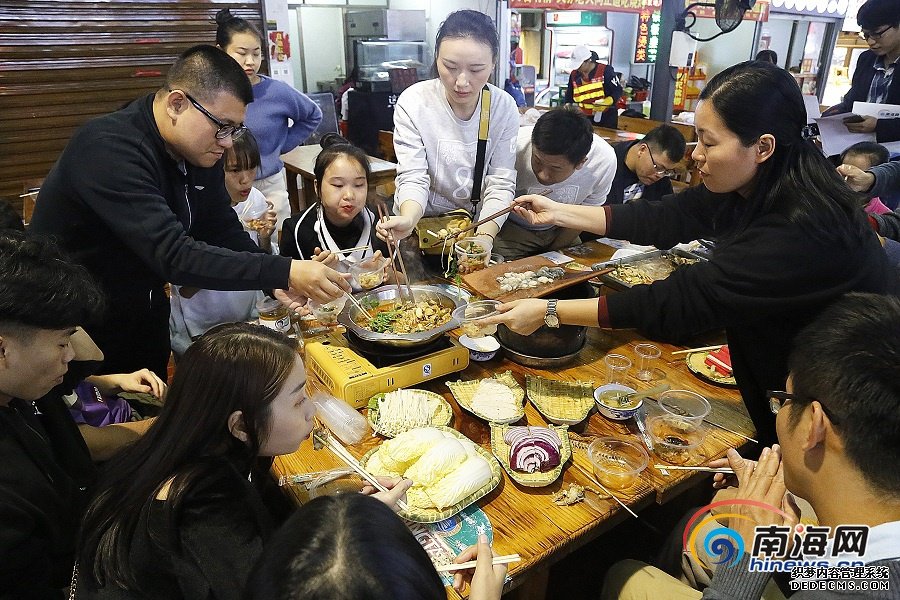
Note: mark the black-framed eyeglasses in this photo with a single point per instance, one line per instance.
(874, 35)
(661, 171)
(777, 400)
(224, 129)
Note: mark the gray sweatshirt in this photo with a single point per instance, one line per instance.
(589, 184)
(436, 151)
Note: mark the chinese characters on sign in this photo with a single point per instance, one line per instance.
(647, 43)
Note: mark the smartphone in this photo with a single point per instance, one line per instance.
(853, 119)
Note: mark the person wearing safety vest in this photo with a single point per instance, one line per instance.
(594, 88)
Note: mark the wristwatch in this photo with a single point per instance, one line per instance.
(550, 319)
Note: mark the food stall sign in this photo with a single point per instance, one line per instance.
(633, 6)
(759, 12)
(647, 43)
(575, 18)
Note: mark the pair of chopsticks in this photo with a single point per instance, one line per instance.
(357, 304)
(727, 470)
(613, 496)
(508, 209)
(352, 250)
(700, 349)
(497, 560)
(382, 215)
(325, 437)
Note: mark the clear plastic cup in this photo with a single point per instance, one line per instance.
(341, 419)
(617, 367)
(617, 462)
(252, 213)
(470, 256)
(675, 439)
(646, 359)
(368, 274)
(469, 314)
(684, 404)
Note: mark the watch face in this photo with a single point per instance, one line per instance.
(551, 321)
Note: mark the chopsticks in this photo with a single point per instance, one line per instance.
(497, 560)
(382, 215)
(722, 427)
(325, 437)
(352, 250)
(611, 495)
(358, 305)
(701, 349)
(727, 470)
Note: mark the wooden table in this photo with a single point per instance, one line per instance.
(302, 160)
(525, 520)
(617, 135)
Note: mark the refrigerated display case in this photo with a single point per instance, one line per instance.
(565, 39)
(375, 58)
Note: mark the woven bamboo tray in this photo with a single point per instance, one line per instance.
(443, 414)
(561, 402)
(431, 514)
(464, 391)
(537, 479)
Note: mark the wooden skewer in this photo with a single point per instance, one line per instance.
(482, 221)
(701, 349)
(342, 453)
(727, 470)
(497, 560)
(359, 306)
(723, 428)
(35, 193)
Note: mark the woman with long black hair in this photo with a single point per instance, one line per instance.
(790, 238)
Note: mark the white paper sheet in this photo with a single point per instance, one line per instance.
(812, 108)
(879, 111)
(835, 136)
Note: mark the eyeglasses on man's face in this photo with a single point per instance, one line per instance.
(777, 400)
(224, 129)
(661, 171)
(875, 35)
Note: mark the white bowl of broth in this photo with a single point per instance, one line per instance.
(612, 405)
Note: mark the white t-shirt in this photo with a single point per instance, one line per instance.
(436, 151)
(192, 317)
(588, 185)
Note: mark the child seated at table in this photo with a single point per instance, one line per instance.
(194, 310)
(351, 546)
(864, 156)
(182, 512)
(340, 219)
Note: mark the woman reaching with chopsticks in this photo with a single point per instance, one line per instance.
(181, 513)
(439, 126)
(790, 238)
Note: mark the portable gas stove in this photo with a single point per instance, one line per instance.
(354, 369)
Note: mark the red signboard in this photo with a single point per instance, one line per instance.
(635, 6)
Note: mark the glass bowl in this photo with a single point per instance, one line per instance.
(469, 314)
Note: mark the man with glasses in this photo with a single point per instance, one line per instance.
(138, 197)
(875, 79)
(837, 425)
(645, 166)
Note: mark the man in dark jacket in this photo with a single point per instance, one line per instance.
(875, 78)
(46, 465)
(138, 197)
(644, 166)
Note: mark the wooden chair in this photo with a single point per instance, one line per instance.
(386, 145)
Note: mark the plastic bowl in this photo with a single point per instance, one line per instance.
(327, 314)
(482, 348)
(470, 257)
(334, 482)
(617, 462)
(674, 437)
(684, 403)
(469, 314)
(495, 259)
(613, 410)
(368, 274)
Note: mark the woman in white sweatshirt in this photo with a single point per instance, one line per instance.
(436, 126)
